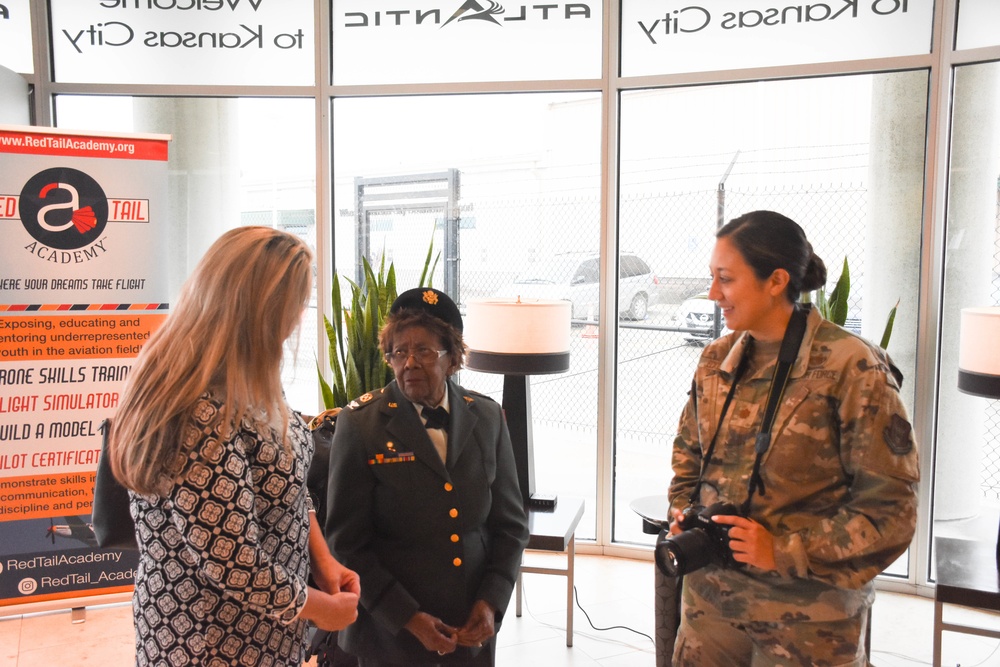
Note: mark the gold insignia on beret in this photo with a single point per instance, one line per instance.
(430, 297)
(366, 398)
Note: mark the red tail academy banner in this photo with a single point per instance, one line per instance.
(82, 286)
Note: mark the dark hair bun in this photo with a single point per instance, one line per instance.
(815, 275)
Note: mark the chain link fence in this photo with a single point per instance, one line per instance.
(672, 232)
(990, 473)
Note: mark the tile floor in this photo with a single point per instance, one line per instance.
(615, 592)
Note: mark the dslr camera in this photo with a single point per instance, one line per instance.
(701, 543)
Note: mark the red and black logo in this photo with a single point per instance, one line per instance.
(63, 208)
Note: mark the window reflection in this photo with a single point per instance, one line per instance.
(231, 162)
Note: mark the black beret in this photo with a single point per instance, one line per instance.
(432, 301)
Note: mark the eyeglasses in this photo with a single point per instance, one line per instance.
(423, 355)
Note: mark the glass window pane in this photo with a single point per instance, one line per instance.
(524, 170)
(841, 156)
(473, 41)
(196, 43)
(967, 460)
(737, 34)
(15, 37)
(977, 24)
(231, 162)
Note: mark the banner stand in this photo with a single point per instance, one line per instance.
(83, 285)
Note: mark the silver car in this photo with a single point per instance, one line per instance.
(575, 277)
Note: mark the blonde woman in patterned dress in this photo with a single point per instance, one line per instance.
(215, 462)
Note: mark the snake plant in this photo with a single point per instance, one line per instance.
(834, 306)
(356, 361)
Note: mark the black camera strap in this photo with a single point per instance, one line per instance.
(737, 374)
(786, 359)
(787, 354)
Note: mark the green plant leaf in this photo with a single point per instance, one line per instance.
(325, 389)
(356, 360)
(425, 278)
(433, 268)
(390, 293)
(353, 382)
(822, 305)
(336, 397)
(838, 297)
(338, 342)
(884, 344)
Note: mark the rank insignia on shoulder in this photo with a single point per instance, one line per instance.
(393, 405)
(353, 404)
(365, 398)
(468, 399)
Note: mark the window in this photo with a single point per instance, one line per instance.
(967, 463)
(528, 165)
(817, 150)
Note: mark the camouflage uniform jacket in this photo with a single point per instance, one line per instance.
(839, 477)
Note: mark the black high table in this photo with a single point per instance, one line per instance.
(968, 576)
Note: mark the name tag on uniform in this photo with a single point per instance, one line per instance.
(382, 459)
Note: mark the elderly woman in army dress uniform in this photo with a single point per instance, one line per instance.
(423, 500)
(830, 500)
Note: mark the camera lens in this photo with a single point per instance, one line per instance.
(684, 553)
(666, 560)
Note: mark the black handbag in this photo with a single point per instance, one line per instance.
(113, 525)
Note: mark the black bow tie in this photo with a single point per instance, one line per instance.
(436, 417)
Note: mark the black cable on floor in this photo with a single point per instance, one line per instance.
(524, 598)
(576, 596)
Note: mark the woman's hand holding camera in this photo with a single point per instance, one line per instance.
(750, 542)
(675, 521)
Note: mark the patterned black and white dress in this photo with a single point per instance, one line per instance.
(224, 558)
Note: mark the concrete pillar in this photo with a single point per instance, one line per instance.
(895, 202)
(203, 172)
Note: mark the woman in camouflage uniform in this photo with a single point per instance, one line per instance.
(833, 501)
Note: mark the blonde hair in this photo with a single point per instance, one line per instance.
(225, 334)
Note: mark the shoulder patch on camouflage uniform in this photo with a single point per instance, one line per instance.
(897, 436)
